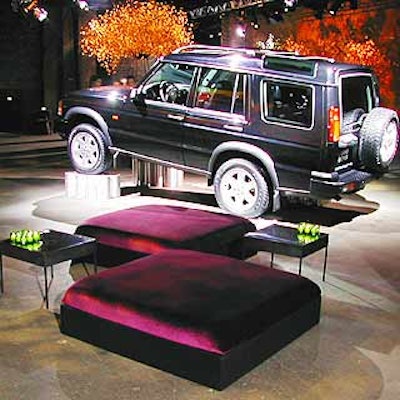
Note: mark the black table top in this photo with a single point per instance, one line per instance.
(285, 240)
(56, 247)
(283, 234)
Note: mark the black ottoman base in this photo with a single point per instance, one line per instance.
(210, 369)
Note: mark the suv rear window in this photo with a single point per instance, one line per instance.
(287, 103)
(357, 92)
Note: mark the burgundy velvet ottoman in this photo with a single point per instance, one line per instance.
(206, 317)
(128, 234)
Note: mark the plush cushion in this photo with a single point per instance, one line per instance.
(153, 228)
(204, 301)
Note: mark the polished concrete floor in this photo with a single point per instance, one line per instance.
(354, 353)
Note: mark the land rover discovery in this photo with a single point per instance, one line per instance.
(258, 124)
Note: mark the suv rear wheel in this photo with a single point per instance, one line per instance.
(379, 139)
(242, 188)
(87, 150)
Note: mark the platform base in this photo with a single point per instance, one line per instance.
(92, 187)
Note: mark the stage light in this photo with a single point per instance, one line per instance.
(240, 31)
(83, 5)
(30, 6)
(290, 5)
(334, 8)
(40, 14)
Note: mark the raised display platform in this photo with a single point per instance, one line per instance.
(92, 187)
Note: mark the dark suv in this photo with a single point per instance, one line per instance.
(259, 124)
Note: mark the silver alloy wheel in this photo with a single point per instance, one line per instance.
(389, 142)
(85, 150)
(239, 190)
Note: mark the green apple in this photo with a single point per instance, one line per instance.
(300, 238)
(18, 236)
(36, 236)
(307, 228)
(29, 237)
(315, 230)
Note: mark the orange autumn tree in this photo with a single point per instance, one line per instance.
(135, 29)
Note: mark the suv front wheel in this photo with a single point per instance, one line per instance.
(242, 188)
(87, 150)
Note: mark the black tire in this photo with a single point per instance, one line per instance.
(88, 151)
(242, 188)
(349, 119)
(379, 138)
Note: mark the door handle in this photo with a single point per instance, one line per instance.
(176, 117)
(236, 128)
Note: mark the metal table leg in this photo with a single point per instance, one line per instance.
(46, 289)
(300, 265)
(325, 260)
(1, 275)
(95, 261)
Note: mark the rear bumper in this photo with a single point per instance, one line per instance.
(335, 184)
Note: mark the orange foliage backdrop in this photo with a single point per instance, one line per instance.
(345, 39)
(368, 35)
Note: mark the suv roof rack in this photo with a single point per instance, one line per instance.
(200, 48)
(319, 58)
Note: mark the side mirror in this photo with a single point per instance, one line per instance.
(136, 96)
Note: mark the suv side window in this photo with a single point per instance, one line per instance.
(170, 83)
(288, 103)
(220, 90)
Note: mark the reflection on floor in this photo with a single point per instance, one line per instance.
(354, 353)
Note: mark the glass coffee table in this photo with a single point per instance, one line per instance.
(56, 248)
(281, 239)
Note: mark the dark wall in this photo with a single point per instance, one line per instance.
(20, 69)
(38, 63)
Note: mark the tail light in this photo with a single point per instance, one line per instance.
(334, 124)
(60, 108)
